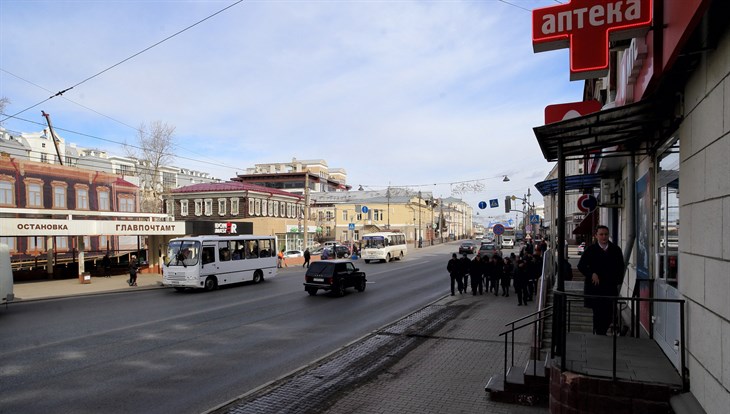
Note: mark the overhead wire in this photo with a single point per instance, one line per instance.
(60, 93)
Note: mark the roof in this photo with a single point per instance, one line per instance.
(573, 182)
(230, 186)
(638, 127)
(124, 183)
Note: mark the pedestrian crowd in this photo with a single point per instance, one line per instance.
(496, 274)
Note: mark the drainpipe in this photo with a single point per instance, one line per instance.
(631, 214)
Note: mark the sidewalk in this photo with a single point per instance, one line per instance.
(47, 289)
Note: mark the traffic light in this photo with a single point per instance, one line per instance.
(507, 204)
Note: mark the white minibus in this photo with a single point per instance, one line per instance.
(384, 246)
(206, 262)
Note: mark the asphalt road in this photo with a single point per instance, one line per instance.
(162, 351)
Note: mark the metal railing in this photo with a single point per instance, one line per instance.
(561, 314)
(540, 315)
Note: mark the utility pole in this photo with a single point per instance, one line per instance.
(53, 136)
(419, 221)
(306, 208)
(441, 221)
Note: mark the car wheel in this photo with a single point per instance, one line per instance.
(346, 255)
(311, 291)
(361, 285)
(340, 288)
(388, 258)
(179, 289)
(400, 256)
(258, 276)
(211, 283)
(367, 260)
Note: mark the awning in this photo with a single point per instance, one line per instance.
(588, 224)
(638, 127)
(574, 182)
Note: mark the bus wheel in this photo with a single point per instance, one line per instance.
(400, 257)
(211, 283)
(258, 276)
(387, 258)
(367, 260)
(179, 289)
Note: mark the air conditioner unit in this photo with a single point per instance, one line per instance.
(609, 196)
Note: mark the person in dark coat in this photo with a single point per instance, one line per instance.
(602, 264)
(496, 276)
(507, 272)
(521, 277)
(465, 265)
(307, 256)
(133, 269)
(106, 263)
(454, 269)
(476, 270)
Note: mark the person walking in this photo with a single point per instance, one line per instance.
(602, 264)
(476, 270)
(307, 256)
(465, 265)
(454, 269)
(507, 271)
(521, 282)
(133, 269)
(496, 276)
(106, 263)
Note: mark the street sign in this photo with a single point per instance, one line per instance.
(482, 205)
(498, 229)
(351, 226)
(534, 219)
(493, 203)
(587, 203)
(364, 209)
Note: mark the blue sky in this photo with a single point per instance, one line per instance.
(395, 92)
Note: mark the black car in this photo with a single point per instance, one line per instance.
(333, 275)
(489, 250)
(468, 248)
(343, 252)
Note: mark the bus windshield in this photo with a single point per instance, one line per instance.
(183, 253)
(374, 242)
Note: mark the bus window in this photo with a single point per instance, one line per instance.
(208, 254)
(224, 253)
(252, 249)
(237, 250)
(265, 248)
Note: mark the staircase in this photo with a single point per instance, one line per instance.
(530, 384)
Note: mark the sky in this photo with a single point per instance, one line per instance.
(436, 96)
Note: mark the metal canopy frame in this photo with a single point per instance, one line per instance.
(573, 182)
(634, 128)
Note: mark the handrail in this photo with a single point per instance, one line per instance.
(516, 328)
(561, 316)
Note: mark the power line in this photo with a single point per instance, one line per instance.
(60, 93)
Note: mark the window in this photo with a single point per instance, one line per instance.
(61, 243)
(358, 217)
(667, 235)
(198, 207)
(234, 206)
(10, 242)
(82, 197)
(183, 207)
(344, 215)
(44, 156)
(282, 209)
(59, 195)
(257, 204)
(103, 240)
(102, 195)
(329, 215)
(328, 231)
(170, 207)
(34, 193)
(36, 243)
(276, 209)
(356, 235)
(377, 215)
(7, 198)
(250, 207)
(344, 237)
(208, 206)
(126, 203)
(87, 243)
(168, 180)
(221, 206)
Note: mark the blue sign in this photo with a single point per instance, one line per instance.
(494, 203)
(482, 205)
(351, 226)
(534, 219)
(364, 209)
(510, 221)
(498, 229)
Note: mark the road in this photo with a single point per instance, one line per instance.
(161, 351)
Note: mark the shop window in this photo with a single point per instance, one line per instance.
(667, 235)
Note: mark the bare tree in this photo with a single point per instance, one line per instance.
(154, 151)
(3, 103)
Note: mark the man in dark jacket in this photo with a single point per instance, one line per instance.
(602, 264)
(307, 257)
(476, 271)
(454, 269)
(465, 265)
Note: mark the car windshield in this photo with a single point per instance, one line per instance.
(183, 253)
